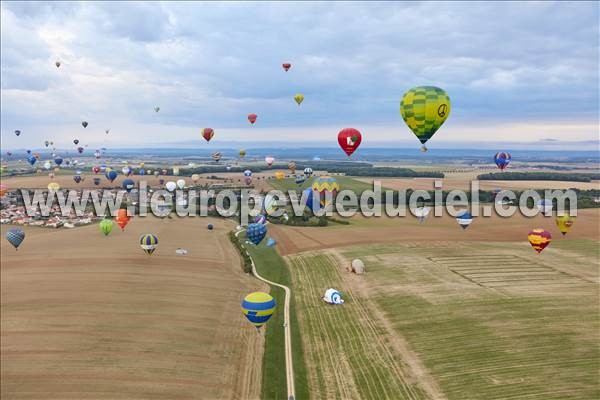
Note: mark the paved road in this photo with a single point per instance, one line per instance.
(289, 366)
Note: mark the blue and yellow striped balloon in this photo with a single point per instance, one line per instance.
(258, 308)
(148, 243)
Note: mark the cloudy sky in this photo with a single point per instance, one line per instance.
(515, 72)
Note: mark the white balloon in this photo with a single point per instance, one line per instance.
(171, 186)
(180, 183)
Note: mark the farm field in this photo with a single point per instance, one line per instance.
(86, 316)
(471, 320)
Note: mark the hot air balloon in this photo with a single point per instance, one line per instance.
(8, 153)
(465, 219)
(425, 109)
(84, 124)
(95, 169)
(195, 178)
(279, 175)
(286, 66)
(107, 131)
(126, 170)
(299, 97)
(141, 172)
(545, 207)
(252, 118)
(31, 160)
(156, 109)
(210, 227)
(148, 243)
(175, 171)
(164, 171)
(57, 63)
(271, 242)
(46, 143)
(300, 179)
(76, 141)
(128, 184)
(53, 186)
(208, 133)
(171, 186)
(122, 218)
(106, 226)
(77, 178)
(269, 160)
(255, 233)
(260, 219)
(258, 308)
(539, 238)
(421, 213)
(216, 156)
(349, 139)
(502, 159)
(156, 173)
(96, 181)
(324, 187)
(3, 190)
(97, 154)
(292, 166)
(47, 165)
(161, 181)
(18, 132)
(80, 150)
(248, 180)
(58, 161)
(308, 172)
(15, 237)
(180, 183)
(242, 153)
(111, 175)
(247, 173)
(564, 223)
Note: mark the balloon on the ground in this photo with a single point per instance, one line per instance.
(286, 66)
(171, 186)
(465, 219)
(258, 307)
(299, 97)
(255, 233)
(424, 109)
(564, 223)
(252, 118)
(333, 296)
(111, 175)
(539, 239)
(208, 133)
(349, 140)
(421, 213)
(210, 227)
(15, 237)
(502, 159)
(545, 206)
(148, 243)
(122, 218)
(106, 226)
(271, 242)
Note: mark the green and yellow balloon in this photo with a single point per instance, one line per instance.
(106, 226)
(425, 109)
(258, 308)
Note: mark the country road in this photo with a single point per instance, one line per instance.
(289, 366)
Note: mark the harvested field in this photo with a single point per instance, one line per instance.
(91, 317)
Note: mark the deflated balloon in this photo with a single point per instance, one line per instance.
(424, 109)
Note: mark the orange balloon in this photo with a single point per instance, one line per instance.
(123, 219)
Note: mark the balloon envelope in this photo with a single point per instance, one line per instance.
(502, 160)
(255, 233)
(564, 223)
(106, 226)
(15, 237)
(349, 139)
(539, 239)
(299, 97)
(171, 186)
(148, 243)
(258, 307)
(424, 109)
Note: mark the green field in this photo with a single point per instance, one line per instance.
(494, 321)
(346, 350)
(271, 266)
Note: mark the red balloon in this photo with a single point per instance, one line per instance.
(96, 169)
(252, 118)
(286, 66)
(349, 140)
(208, 133)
